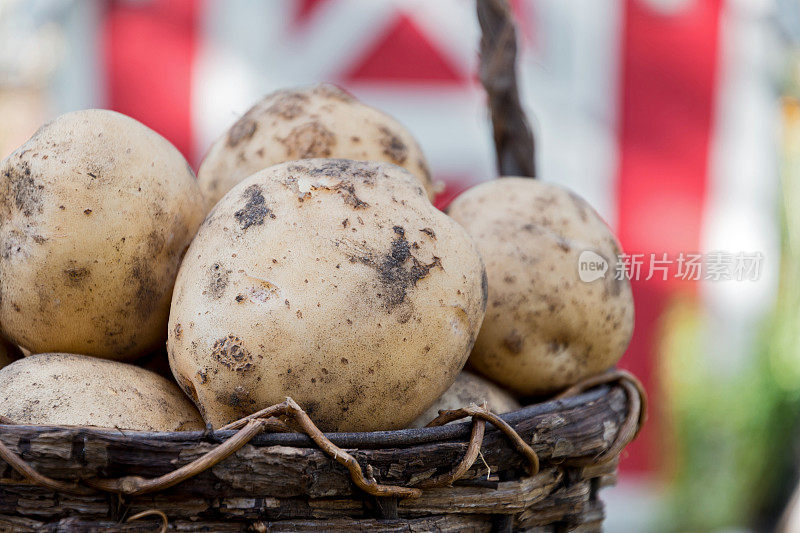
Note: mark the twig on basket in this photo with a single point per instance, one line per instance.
(27, 471)
(268, 414)
(250, 427)
(136, 486)
(512, 133)
(637, 412)
(488, 468)
(612, 376)
(368, 486)
(470, 456)
(152, 512)
(484, 414)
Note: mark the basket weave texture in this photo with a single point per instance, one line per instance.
(283, 482)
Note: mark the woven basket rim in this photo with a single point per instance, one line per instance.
(366, 440)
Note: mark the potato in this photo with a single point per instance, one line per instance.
(96, 211)
(332, 281)
(302, 123)
(545, 329)
(469, 388)
(76, 390)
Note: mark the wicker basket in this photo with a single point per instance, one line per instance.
(284, 482)
(537, 469)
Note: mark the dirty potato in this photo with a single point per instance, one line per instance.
(545, 329)
(96, 211)
(469, 388)
(76, 390)
(308, 122)
(334, 282)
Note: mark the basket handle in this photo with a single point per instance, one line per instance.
(513, 138)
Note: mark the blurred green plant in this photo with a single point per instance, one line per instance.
(736, 433)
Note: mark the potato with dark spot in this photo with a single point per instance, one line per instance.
(96, 211)
(545, 328)
(307, 122)
(76, 390)
(364, 324)
(469, 388)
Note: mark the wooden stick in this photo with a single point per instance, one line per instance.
(512, 134)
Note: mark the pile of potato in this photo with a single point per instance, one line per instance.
(306, 260)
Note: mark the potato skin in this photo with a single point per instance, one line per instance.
(545, 329)
(302, 123)
(96, 211)
(469, 388)
(77, 390)
(334, 282)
